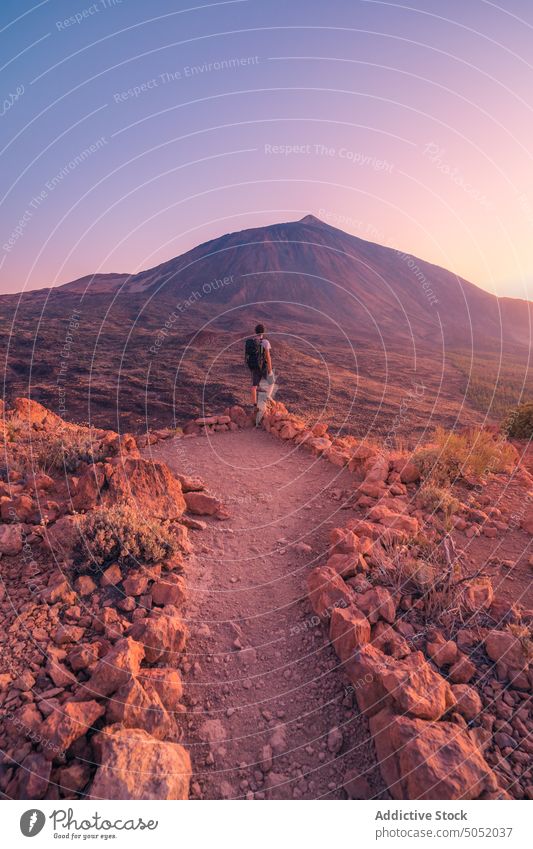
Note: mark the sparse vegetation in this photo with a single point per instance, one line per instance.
(454, 455)
(433, 497)
(525, 635)
(121, 534)
(31, 451)
(519, 421)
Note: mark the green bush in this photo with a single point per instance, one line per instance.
(519, 421)
(121, 534)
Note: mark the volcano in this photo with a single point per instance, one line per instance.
(353, 324)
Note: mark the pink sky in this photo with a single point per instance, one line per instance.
(136, 133)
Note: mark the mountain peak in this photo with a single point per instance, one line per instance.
(311, 219)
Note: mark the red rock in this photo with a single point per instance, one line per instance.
(68, 634)
(357, 786)
(147, 484)
(377, 469)
(319, 429)
(478, 595)
(33, 776)
(442, 652)
(18, 509)
(462, 670)
(134, 707)
(84, 585)
(58, 589)
(327, 591)
(116, 668)
(74, 777)
(318, 444)
(137, 766)
(416, 689)
(429, 760)
(189, 484)
(137, 582)
(65, 725)
(111, 577)
(377, 603)
(201, 504)
(89, 488)
(389, 641)
(10, 540)
(504, 646)
(163, 634)
(409, 473)
(349, 629)
(170, 591)
(410, 685)
(110, 623)
(469, 703)
(166, 683)
(347, 542)
(344, 565)
(83, 656)
(35, 415)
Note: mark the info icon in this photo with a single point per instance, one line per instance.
(32, 822)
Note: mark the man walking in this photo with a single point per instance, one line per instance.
(258, 359)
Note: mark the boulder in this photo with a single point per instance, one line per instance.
(478, 595)
(503, 646)
(89, 488)
(409, 685)
(189, 484)
(442, 652)
(327, 591)
(377, 603)
(66, 724)
(170, 591)
(116, 668)
(33, 776)
(11, 541)
(469, 703)
(429, 760)
(147, 484)
(134, 707)
(201, 504)
(166, 683)
(415, 688)
(389, 641)
(163, 634)
(378, 470)
(462, 670)
(35, 415)
(134, 765)
(349, 629)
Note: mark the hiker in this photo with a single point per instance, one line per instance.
(258, 359)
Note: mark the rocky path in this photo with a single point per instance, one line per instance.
(269, 712)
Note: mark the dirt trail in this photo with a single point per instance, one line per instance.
(260, 674)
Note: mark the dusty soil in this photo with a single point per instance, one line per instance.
(270, 713)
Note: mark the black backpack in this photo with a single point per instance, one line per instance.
(254, 354)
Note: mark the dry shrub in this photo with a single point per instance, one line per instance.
(525, 635)
(28, 451)
(453, 455)
(433, 497)
(519, 421)
(122, 534)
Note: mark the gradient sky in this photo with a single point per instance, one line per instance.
(139, 130)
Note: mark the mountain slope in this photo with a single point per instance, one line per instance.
(349, 319)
